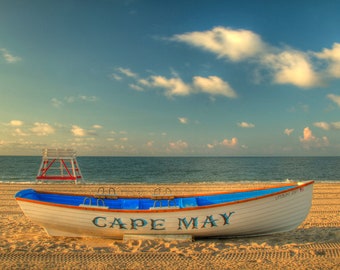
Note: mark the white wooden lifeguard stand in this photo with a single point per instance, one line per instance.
(59, 165)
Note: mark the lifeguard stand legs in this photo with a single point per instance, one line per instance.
(59, 165)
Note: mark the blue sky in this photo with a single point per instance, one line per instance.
(170, 78)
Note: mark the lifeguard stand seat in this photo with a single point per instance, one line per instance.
(59, 165)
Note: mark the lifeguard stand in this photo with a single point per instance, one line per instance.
(59, 165)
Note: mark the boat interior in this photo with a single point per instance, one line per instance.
(113, 201)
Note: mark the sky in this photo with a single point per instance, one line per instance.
(170, 78)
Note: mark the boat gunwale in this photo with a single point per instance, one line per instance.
(296, 185)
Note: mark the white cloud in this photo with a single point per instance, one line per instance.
(235, 45)
(335, 125)
(214, 85)
(88, 98)
(116, 77)
(322, 125)
(309, 140)
(245, 125)
(150, 144)
(127, 72)
(292, 67)
(9, 58)
(327, 126)
(307, 135)
(72, 99)
(136, 87)
(42, 129)
(285, 65)
(173, 86)
(78, 131)
(183, 120)
(334, 98)
(211, 145)
(145, 82)
(15, 123)
(97, 126)
(177, 146)
(56, 103)
(230, 143)
(19, 132)
(333, 58)
(288, 131)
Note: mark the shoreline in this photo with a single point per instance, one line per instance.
(315, 244)
(200, 183)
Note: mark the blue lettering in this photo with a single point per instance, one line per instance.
(118, 222)
(185, 223)
(226, 217)
(211, 221)
(97, 223)
(139, 222)
(193, 221)
(155, 224)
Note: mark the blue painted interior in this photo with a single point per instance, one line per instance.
(145, 203)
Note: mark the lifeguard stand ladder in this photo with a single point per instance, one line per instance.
(59, 165)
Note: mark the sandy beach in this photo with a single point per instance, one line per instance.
(314, 245)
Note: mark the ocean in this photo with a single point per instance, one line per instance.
(14, 169)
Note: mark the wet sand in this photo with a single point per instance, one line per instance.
(315, 244)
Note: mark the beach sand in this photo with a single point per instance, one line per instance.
(315, 244)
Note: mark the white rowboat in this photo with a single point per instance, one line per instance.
(251, 212)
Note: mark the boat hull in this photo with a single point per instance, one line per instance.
(274, 213)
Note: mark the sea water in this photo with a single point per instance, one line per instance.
(150, 170)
